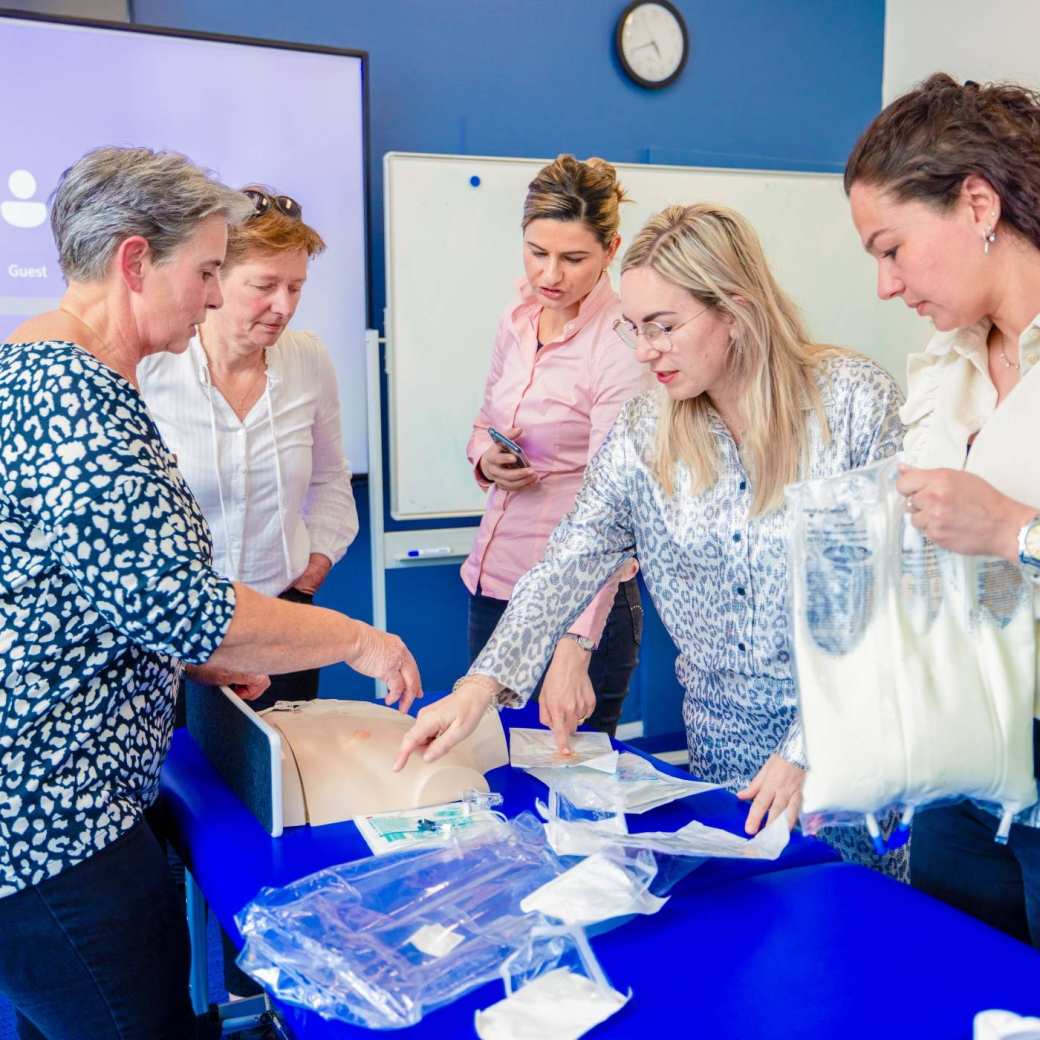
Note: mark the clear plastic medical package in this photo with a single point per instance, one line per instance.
(636, 786)
(915, 666)
(572, 831)
(381, 941)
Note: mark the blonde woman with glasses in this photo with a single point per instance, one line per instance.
(690, 482)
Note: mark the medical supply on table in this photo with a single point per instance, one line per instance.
(388, 832)
(635, 787)
(570, 835)
(608, 884)
(536, 748)
(1005, 1025)
(915, 666)
(560, 1004)
(384, 940)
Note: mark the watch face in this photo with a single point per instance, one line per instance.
(1031, 542)
(652, 43)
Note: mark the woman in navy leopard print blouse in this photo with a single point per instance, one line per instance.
(106, 588)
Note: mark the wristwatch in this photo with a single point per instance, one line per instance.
(1029, 544)
(587, 644)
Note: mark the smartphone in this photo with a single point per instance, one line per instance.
(510, 445)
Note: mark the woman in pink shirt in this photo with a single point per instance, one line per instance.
(558, 378)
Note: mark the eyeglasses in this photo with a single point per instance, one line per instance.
(654, 334)
(262, 202)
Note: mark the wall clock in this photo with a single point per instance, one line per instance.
(652, 42)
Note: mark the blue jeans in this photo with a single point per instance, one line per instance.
(101, 950)
(612, 663)
(953, 857)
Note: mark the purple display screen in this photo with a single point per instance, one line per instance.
(288, 118)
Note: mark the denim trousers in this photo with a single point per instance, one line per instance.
(953, 857)
(101, 950)
(612, 662)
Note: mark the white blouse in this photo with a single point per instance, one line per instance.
(274, 488)
(951, 398)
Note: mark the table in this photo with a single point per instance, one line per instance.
(803, 946)
(825, 952)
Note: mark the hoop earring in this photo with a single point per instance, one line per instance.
(988, 239)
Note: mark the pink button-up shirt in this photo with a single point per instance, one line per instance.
(564, 396)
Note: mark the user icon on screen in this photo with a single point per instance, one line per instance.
(21, 211)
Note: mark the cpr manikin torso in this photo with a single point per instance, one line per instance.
(337, 759)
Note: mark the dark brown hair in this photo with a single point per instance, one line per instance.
(924, 144)
(568, 189)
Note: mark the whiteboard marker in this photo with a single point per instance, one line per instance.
(438, 550)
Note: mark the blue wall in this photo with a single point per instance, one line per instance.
(770, 83)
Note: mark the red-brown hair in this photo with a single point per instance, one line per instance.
(270, 232)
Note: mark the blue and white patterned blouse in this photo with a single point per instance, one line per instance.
(718, 578)
(105, 585)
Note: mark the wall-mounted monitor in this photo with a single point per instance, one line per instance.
(252, 111)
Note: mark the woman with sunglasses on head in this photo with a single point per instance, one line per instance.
(252, 413)
(690, 481)
(945, 192)
(557, 380)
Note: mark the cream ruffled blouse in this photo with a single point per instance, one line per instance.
(951, 398)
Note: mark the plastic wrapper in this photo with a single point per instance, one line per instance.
(1005, 1025)
(635, 787)
(563, 1002)
(915, 666)
(576, 832)
(381, 941)
(536, 748)
(609, 884)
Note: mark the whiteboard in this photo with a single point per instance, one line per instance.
(453, 255)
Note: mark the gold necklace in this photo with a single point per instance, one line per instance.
(236, 402)
(90, 328)
(1008, 363)
(249, 389)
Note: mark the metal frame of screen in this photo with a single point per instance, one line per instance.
(250, 41)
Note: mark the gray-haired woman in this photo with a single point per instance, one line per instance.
(106, 584)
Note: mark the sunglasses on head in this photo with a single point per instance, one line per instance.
(262, 202)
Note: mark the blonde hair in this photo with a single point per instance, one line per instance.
(270, 232)
(714, 254)
(568, 189)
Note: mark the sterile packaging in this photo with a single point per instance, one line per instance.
(915, 666)
(635, 786)
(390, 832)
(381, 941)
(560, 1004)
(608, 884)
(564, 1002)
(573, 833)
(1005, 1025)
(536, 748)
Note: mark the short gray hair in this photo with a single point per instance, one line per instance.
(113, 193)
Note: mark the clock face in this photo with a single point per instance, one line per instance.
(652, 43)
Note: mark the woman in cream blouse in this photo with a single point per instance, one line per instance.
(945, 193)
(252, 413)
